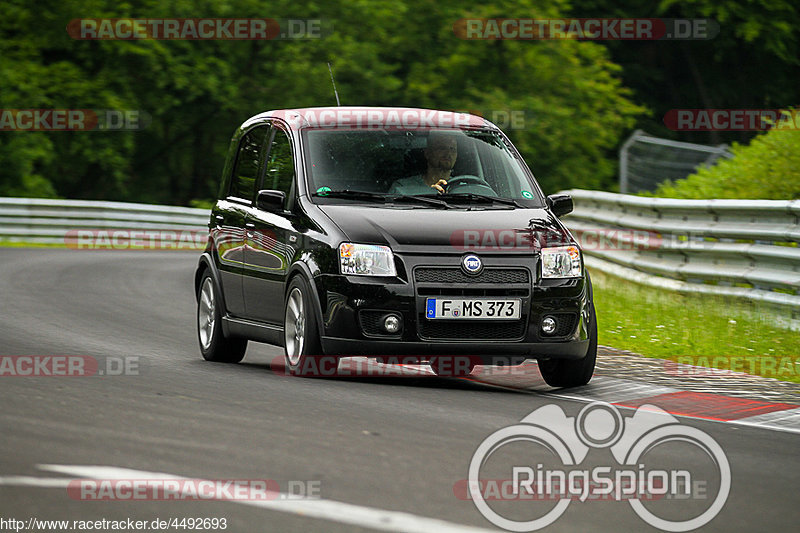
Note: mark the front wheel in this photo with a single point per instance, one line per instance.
(213, 344)
(573, 373)
(301, 334)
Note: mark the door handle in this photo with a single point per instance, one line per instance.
(250, 225)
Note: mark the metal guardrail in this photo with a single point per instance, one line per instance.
(747, 248)
(83, 222)
(646, 161)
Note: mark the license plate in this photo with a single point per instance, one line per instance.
(473, 309)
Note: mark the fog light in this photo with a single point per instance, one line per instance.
(391, 324)
(548, 325)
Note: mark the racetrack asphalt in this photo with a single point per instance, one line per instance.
(380, 445)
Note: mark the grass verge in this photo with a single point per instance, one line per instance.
(703, 330)
(17, 244)
(124, 246)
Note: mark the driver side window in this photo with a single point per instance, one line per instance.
(280, 172)
(248, 163)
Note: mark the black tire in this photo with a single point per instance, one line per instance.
(301, 347)
(214, 345)
(573, 372)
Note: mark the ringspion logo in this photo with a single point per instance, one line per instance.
(647, 480)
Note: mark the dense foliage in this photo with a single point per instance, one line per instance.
(767, 168)
(572, 94)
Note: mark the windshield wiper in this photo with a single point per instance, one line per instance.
(422, 199)
(474, 196)
(355, 195)
(380, 197)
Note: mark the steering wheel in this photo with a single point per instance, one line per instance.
(469, 182)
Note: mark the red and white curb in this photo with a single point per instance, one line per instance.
(696, 400)
(698, 403)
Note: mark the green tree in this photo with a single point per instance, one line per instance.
(754, 61)
(197, 92)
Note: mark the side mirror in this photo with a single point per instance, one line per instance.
(270, 200)
(560, 204)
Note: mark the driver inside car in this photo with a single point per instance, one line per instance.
(440, 154)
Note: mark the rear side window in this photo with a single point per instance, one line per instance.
(248, 163)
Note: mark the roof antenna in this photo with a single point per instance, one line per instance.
(334, 84)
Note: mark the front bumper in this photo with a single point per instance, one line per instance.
(350, 303)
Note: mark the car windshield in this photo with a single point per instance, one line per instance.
(476, 166)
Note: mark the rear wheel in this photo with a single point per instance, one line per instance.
(213, 344)
(573, 373)
(301, 334)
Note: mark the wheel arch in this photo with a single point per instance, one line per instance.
(207, 263)
(299, 268)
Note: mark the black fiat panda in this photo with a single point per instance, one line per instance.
(407, 235)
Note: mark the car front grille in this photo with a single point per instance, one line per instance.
(457, 330)
(468, 292)
(456, 275)
(492, 282)
(370, 322)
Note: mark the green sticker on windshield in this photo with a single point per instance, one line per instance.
(322, 191)
(527, 194)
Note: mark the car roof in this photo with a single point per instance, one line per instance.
(372, 117)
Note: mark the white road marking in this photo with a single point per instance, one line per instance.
(30, 481)
(345, 513)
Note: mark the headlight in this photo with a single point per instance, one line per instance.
(561, 262)
(366, 260)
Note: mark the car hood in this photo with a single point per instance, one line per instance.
(412, 230)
